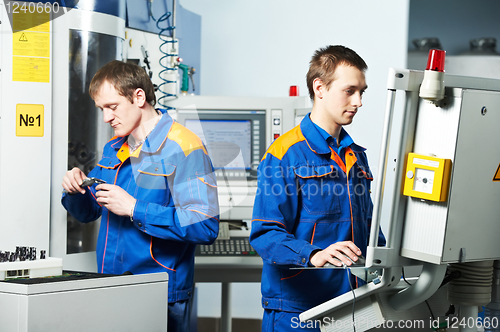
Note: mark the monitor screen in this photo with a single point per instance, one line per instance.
(235, 139)
(228, 141)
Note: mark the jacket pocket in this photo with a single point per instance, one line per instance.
(319, 189)
(153, 175)
(109, 163)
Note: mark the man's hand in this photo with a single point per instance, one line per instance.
(72, 181)
(321, 257)
(115, 199)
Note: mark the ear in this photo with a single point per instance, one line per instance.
(318, 88)
(139, 97)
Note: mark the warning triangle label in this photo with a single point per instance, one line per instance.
(497, 174)
(23, 38)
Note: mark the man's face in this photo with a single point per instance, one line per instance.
(117, 110)
(341, 100)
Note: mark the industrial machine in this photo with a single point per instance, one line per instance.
(443, 212)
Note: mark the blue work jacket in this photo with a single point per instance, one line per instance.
(172, 179)
(308, 198)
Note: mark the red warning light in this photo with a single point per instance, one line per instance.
(294, 91)
(435, 62)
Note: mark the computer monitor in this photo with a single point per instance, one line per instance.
(235, 139)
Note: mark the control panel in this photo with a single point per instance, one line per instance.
(276, 125)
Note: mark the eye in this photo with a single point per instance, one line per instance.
(113, 107)
(349, 91)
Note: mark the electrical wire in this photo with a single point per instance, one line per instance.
(353, 298)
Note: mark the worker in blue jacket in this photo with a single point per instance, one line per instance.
(159, 198)
(313, 203)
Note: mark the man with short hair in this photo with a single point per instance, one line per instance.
(313, 205)
(159, 198)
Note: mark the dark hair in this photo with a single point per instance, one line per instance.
(125, 78)
(325, 61)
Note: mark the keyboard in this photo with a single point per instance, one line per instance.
(235, 246)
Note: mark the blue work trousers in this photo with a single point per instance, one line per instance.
(178, 316)
(282, 321)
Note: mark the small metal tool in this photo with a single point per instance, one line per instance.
(90, 181)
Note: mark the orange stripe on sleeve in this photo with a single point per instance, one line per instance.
(274, 221)
(203, 214)
(314, 232)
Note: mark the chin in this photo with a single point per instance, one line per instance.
(119, 133)
(349, 119)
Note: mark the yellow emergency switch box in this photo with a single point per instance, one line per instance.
(427, 177)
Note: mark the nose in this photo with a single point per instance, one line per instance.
(107, 115)
(356, 100)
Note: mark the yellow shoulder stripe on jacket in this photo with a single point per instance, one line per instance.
(187, 140)
(281, 145)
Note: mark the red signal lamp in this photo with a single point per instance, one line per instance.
(432, 87)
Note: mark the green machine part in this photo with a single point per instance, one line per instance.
(185, 77)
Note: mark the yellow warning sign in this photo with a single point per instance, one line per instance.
(497, 174)
(29, 69)
(29, 118)
(26, 43)
(31, 46)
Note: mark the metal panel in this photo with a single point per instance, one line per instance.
(24, 161)
(466, 227)
(474, 209)
(425, 223)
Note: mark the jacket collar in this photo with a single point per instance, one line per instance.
(317, 143)
(313, 137)
(159, 134)
(155, 139)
